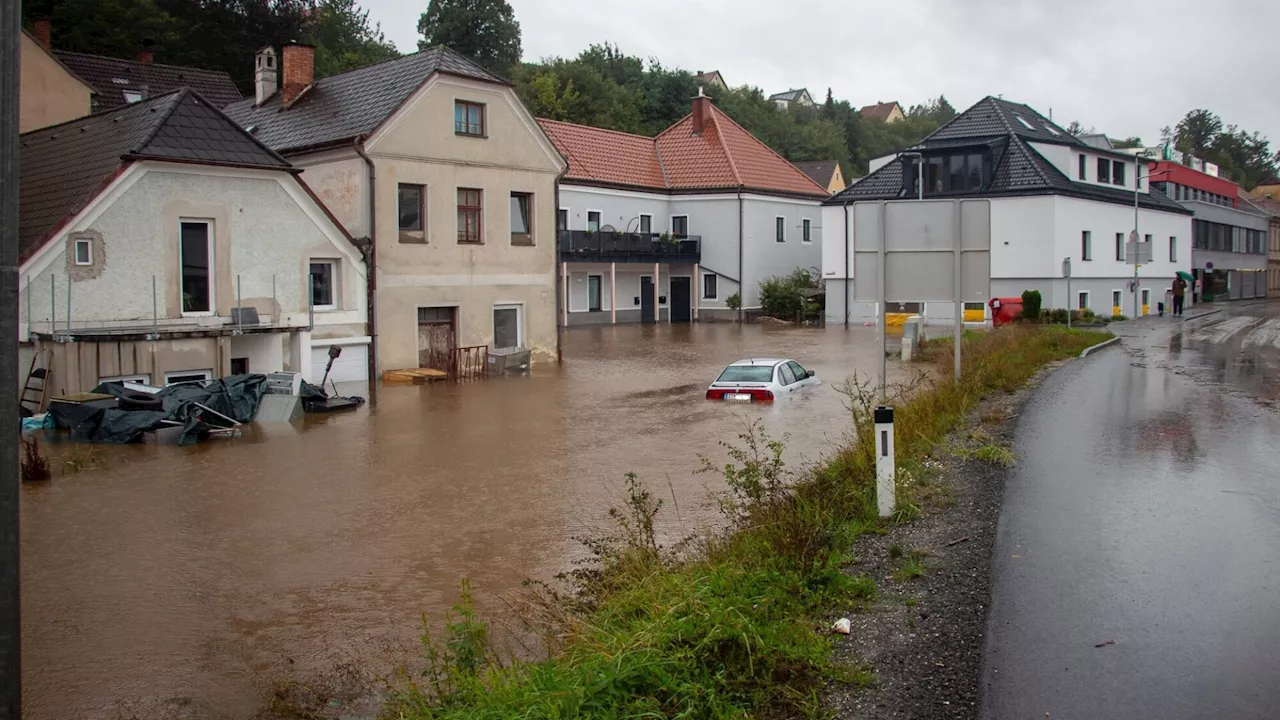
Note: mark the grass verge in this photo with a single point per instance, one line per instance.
(726, 626)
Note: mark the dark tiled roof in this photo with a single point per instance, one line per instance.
(880, 111)
(789, 96)
(111, 77)
(341, 107)
(819, 171)
(1017, 169)
(65, 166)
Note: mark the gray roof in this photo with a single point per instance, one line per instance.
(1017, 169)
(65, 166)
(819, 171)
(789, 96)
(341, 107)
(112, 77)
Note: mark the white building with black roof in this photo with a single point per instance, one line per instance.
(1052, 197)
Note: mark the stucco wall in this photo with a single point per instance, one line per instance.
(259, 233)
(338, 179)
(49, 94)
(1073, 215)
(765, 256)
(419, 146)
(617, 208)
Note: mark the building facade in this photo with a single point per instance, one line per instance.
(50, 93)
(439, 163)
(1268, 205)
(666, 229)
(1051, 196)
(1229, 248)
(199, 254)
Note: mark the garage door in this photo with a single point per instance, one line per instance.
(351, 366)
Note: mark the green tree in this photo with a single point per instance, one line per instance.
(1127, 143)
(1197, 131)
(345, 39)
(484, 30)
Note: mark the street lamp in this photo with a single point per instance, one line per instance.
(1137, 185)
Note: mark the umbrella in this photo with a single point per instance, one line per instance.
(1186, 276)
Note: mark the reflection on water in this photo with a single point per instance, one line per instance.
(185, 582)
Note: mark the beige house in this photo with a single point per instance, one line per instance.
(50, 92)
(824, 172)
(885, 112)
(1266, 198)
(440, 163)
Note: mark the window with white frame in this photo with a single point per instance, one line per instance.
(562, 219)
(646, 224)
(507, 331)
(1083, 165)
(806, 226)
(1117, 297)
(132, 96)
(324, 284)
(84, 251)
(196, 256)
(1120, 246)
(1082, 301)
(680, 225)
(140, 379)
(522, 219)
(780, 229)
(709, 286)
(593, 221)
(1086, 245)
(186, 376)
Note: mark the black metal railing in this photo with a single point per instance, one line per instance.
(607, 246)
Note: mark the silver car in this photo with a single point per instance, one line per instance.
(761, 380)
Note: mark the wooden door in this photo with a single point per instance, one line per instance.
(437, 338)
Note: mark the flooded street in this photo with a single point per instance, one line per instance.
(187, 582)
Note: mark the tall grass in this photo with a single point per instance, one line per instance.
(730, 626)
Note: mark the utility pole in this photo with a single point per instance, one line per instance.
(10, 597)
(1137, 256)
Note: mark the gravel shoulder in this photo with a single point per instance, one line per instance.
(922, 637)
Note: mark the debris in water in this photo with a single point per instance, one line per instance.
(842, 626)
(1103, 644)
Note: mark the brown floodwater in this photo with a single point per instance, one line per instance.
(162, 581)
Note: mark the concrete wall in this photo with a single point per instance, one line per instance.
(418, 145)
(260, 233)
(49, 93)
(765, 256)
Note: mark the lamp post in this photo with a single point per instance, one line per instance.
(1137, 256)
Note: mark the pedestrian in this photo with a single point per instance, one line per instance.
(1179, 293)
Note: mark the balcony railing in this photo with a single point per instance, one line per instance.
(606, 246)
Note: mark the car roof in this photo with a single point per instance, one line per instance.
(759, 362)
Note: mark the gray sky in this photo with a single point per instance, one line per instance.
(1125, 67)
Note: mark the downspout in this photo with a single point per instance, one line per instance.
(557, 264)
(847, 280)
(371, 262)
(742, 285)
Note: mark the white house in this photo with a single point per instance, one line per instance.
(160, 242)
(668, 228)
(1052, 197)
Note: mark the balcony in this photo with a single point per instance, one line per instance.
(597, 246)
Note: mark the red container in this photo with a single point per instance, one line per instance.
(1004, 310)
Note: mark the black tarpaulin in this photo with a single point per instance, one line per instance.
(236, 397)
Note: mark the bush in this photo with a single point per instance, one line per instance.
(734, 302)
(1031, 305)
(784, 297)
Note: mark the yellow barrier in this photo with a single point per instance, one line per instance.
(975, 316)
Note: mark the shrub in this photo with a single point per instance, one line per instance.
(784, 296)
(734, 302)
(34, 466)
(1031, 305)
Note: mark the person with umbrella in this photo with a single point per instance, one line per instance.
(1179, 293)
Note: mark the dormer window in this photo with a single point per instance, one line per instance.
(1025, 124)
(1051, 130)
(132, 96)
(965, 172)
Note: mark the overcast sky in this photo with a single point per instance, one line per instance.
(1125, 67)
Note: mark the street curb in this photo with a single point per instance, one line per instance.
(1099, 346)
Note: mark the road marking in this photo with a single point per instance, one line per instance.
(1221, 331)
(1266, 334)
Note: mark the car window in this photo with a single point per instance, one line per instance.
(746, 373)
(784, 371)
(800, 372)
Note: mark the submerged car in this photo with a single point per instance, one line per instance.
(761, 379)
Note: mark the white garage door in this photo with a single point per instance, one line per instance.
(351, 366)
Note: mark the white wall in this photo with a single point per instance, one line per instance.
(837, 225)
(1022, 237)
(765, 256)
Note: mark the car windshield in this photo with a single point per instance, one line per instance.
(747, 373)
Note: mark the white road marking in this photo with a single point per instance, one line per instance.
(1266, 334)
(1222, 331)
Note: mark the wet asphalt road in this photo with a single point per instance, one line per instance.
(1144, 516)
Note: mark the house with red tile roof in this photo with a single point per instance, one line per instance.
(666, 228)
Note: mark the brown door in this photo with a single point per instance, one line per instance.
(437, 338)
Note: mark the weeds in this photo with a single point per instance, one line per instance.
(996, 454)
(34, 466)
(81, 458)
(733, 627)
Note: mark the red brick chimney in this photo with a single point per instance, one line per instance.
(43, 30)
(298, 67)
(701, 112)
(144, 54)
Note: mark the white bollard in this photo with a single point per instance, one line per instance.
(886, 472)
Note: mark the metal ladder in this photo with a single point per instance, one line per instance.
(36, 389)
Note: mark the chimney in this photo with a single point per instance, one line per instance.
(299, 70)
(701, 112)
(43, 30)
(264, 74)
(144, 54)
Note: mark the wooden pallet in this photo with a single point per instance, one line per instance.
(414, 375)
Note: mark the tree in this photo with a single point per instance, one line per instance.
(484, 30)
(1076, 129)
(1196, 131)
(1127, 143)
(345, 39)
